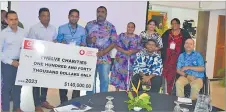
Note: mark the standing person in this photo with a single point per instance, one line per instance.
(173, 46)
(47, 32)
(3, 20)
(150, 33)
(12, 40)
(71, 33)
(127, 46)
(101, 35)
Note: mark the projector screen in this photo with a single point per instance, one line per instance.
(119, 13)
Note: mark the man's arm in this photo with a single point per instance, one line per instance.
(88, 39)
(179, 66)
(180, 72)
(157, 66)
(113, 39)
(83, 36)
(200, 67)
(60, 36)
(139, 64)
(194, 68)
(5, 58)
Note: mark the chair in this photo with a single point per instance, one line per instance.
(187, 89)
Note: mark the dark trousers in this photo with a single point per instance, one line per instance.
(39, 95)
(8, 84)
(156, 83)
(63, 94)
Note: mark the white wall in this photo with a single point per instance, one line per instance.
(211, 42)
(119, 13)
(204, 5)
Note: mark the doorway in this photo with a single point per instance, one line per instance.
(219, 62)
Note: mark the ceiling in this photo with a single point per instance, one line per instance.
(203, 5)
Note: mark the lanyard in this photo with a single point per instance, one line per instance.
(172, 36)
(72, 33)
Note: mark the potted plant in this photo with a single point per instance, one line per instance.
(138, 102)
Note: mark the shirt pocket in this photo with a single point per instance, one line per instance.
(10, 41)
(195, 63)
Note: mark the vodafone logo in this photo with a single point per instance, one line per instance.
(28, 44)
(81, 52)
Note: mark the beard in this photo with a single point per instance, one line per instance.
(73, 22)
(101, 18)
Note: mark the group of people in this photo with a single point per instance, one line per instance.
(148, 57)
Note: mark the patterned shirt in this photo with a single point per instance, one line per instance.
(147, 63)
(105, 34)
(193, 59)
(144, 35)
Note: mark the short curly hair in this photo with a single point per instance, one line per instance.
(145, 41)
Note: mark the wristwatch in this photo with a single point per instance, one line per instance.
(186, 75)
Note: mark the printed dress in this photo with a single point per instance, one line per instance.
(119, 75)
(144, 36)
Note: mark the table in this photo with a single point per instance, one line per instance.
(160, 102)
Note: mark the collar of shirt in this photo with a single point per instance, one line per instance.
(189, 54)
(8, 29)
(145, 51)
(101, 23)
(70, 26)
(42, 26)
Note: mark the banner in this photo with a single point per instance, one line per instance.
(56, 65)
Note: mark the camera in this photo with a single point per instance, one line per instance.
(188, 25)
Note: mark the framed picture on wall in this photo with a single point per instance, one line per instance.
(160, 18)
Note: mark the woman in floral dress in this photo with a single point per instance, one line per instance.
(127, 46)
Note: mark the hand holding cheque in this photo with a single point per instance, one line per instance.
(55, 65)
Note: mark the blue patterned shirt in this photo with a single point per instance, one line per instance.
(147, 63)
(193, 59)
(67, 33)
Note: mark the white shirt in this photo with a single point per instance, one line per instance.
(11, 44)
(40, 32)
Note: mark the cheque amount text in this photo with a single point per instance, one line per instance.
(76, 85)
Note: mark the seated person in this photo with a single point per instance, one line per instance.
(190, 67)
(148, 67)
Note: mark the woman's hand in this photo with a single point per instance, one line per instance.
(123, 51)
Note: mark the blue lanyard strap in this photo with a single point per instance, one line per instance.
(72, 33)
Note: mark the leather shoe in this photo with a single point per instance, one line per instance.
(39, 109)
(18, 110)
(47, 105)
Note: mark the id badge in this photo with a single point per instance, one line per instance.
(172, 45)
